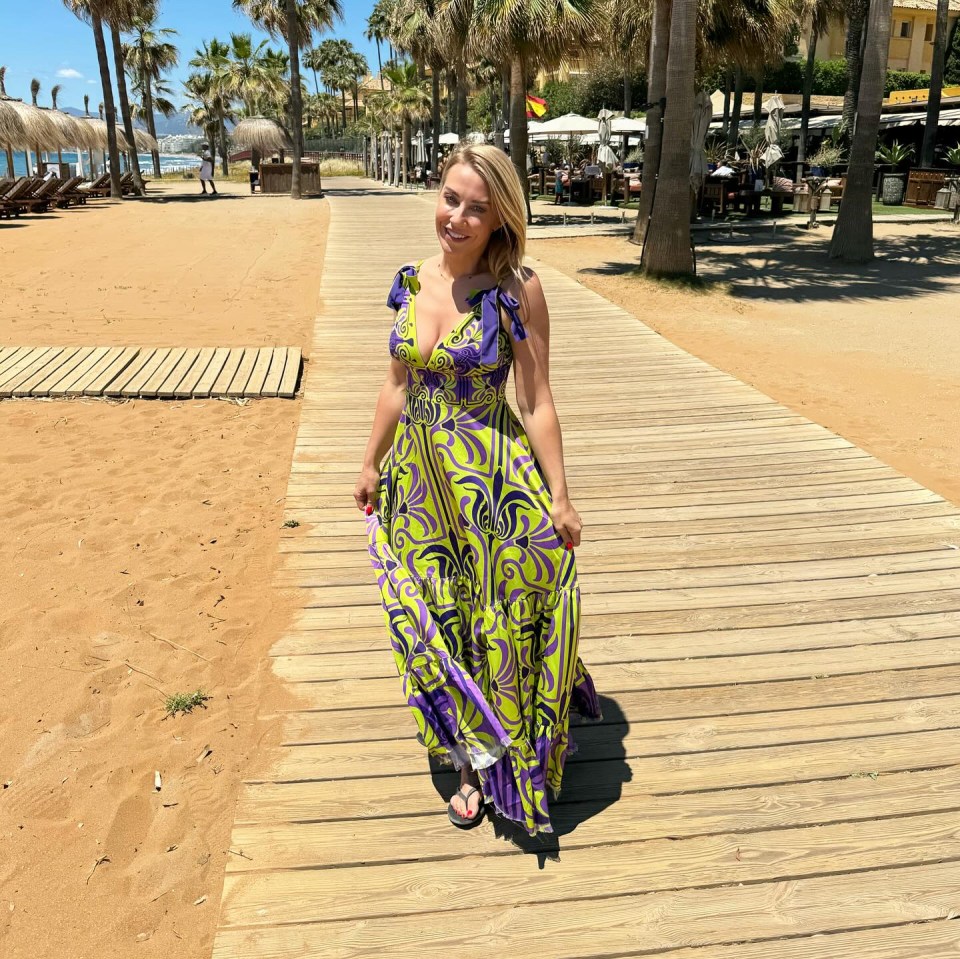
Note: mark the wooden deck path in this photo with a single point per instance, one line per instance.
(149, 372)
(772, 618)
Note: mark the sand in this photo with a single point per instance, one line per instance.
(139, 543)
(872, 353)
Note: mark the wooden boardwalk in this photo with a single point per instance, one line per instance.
(149, 372)
(772, 619)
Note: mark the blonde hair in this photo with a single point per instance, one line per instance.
(506, 246)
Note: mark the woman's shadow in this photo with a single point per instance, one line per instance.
(593, 780)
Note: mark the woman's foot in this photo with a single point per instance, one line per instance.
(470, 787)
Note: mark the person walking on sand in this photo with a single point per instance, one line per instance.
(206, 170)
(471, 530)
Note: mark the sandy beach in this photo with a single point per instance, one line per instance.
(872, 353)
(137, 558)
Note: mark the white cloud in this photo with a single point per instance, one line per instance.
(68, 73)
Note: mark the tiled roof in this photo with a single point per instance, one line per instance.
(930, 5)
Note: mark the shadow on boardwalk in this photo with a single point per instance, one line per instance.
(799, 270)
(592, 783)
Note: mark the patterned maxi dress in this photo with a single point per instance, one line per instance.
(480, 596)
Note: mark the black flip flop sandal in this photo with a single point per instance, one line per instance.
(465, 822)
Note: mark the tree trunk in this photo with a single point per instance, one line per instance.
(343, 108)
(733, 133)
(380, 67)
(505, 97)
(125, 109)
(852, 54)
(853, 234)
(758, 98)
(666, 250)
(109, 107)
(296, 98)
(805, 104)
(151, 120)
(224, 158)
(936, 85)
(435, 118)
(451, 100)
(461, 99)
(727, 91)
(405, 146)
(627, 87)
(518, 125)
(656, 90)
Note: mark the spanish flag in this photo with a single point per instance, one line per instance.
(535, 107)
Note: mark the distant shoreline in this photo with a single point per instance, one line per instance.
(169, 162)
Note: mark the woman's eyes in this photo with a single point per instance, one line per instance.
(452, 201)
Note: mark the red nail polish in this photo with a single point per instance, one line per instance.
(369, 510)
(569, 545)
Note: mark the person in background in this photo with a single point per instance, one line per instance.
(206, 169)
(558, 186)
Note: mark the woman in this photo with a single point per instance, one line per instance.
(470, 524)
(206, 169)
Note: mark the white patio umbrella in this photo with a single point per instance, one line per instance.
(605, 154)
(419, 142)
(449, 139)
(702, 115)
(773, 154)
(628, 125)
(569, 125)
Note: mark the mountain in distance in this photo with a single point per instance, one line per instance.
(177, 125)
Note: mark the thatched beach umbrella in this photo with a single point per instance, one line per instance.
(260, 134)
(97, 129)
(11, 132)
(145, 142)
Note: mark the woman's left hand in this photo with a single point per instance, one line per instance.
(566, 521)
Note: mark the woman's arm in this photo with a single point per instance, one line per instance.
(535, 399)
(389, 407)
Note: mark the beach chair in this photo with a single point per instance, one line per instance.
(126, 184)
(17, 199)
(39, 198)
(5, 185)
(68, 194)
(99, 187)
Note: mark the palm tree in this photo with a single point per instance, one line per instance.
(666, 248)
(295, 21)
(936, 84)
(313, 60)
(820, 13)
(92, 12)
(54, 93)
(856, 12)
(252, 76)
(378, 27)
(149, 54)
(852, 239)
(409, 101)
(527, 34)
(358, 68)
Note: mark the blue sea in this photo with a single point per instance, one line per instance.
(169, 163)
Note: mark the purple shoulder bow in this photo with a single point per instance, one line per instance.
(491, 300)
(405, 281)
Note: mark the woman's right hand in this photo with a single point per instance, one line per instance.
(365, 492)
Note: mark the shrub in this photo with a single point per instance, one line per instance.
(337, 167)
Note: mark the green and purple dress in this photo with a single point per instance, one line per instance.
(479, 593)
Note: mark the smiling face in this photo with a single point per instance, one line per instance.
(465, 217)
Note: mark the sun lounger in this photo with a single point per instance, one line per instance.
(68, 194)
(38, 200)
(99, 187)
(10, 202)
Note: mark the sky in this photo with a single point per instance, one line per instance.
(42, 39)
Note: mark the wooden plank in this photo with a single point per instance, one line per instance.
(194, 375)
(13, 356)
(46, 372)
(228, 372)
(291, 373)
(32, 364)
(271, 384)
(639, 818)
(152, 387)
(135, 385)
(300, 895)
(93, 356)
(374, 796)
(168, 387)
(259, 372)
(100, 383)
(121, 386)
(213, 370)
(238, 385)
(77, 387)
(630, 924)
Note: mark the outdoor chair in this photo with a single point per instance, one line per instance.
(68, 195)
(99, 187)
